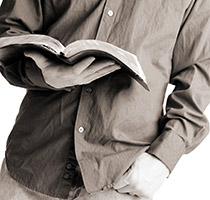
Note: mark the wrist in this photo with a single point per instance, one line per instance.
(157, 163)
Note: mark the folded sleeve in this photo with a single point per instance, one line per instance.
(20, 17)
(184, 125)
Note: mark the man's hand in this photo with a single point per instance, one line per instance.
(144, 177)
(60, 75)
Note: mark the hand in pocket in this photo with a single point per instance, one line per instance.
(144, 177)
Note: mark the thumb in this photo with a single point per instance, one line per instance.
(120, 183)
(123, 181)
(39, 59)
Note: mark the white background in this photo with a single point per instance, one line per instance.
(190, 179)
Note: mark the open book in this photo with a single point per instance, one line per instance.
(12, 48)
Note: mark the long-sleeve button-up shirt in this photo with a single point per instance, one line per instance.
(113, 119)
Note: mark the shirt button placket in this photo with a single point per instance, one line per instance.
(107, 20)
(89, 89)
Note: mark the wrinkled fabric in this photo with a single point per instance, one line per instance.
(12, 190)
(112, 120)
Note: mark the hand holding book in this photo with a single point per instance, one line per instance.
(12, 48)
(60, 75)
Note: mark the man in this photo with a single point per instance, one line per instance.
(90, 131)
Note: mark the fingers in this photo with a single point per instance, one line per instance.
(121, 182)
(124, 180)
(100, 73)
(145, 198)
(83, 72)
(134, 191)
(126, 189)
(83, 64)
(98, 65)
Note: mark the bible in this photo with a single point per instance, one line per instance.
(12, 48)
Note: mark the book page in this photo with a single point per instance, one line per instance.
(43, 41)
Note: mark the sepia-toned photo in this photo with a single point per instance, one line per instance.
(104, 99)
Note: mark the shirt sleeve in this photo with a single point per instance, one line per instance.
(184, 126)
(21, 17)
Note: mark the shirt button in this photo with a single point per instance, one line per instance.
(89, 89)
(66, 176)
(110, 13)
(70, 89)
(81, 129)
(68, 166)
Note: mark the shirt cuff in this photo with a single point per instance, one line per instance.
(168, 147)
